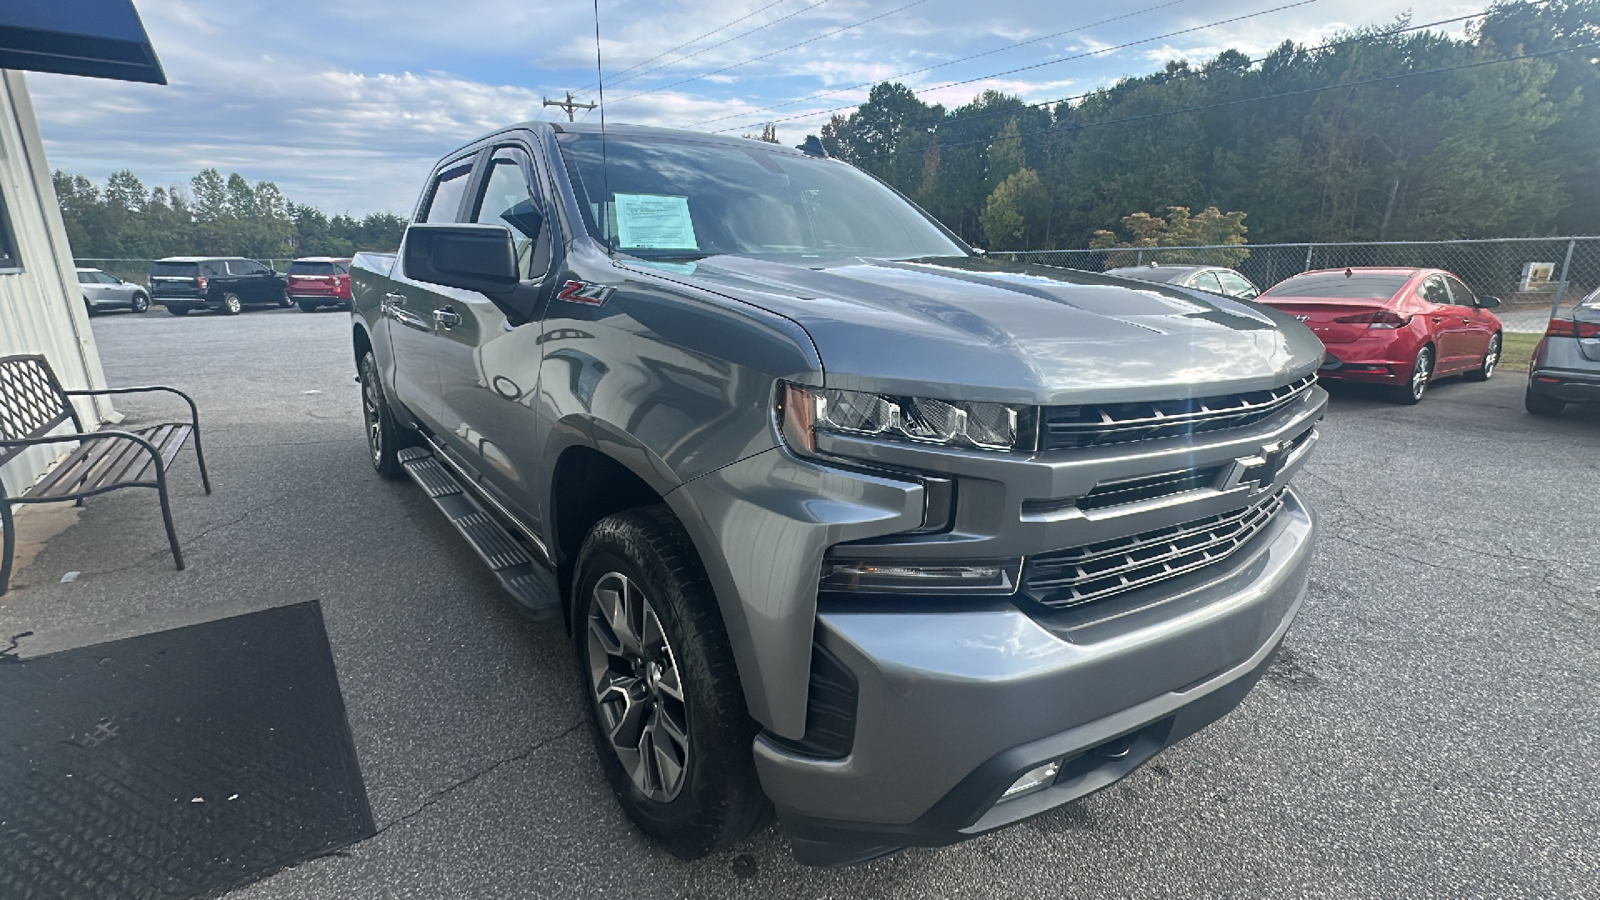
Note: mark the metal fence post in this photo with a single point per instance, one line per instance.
(1309, 248)
(1561, 283)
(1138, 258)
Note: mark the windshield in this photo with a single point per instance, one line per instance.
(1339, 286)
(682, 199)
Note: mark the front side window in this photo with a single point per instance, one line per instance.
(1207, 281)
(445, 202)
(1460, 293)
(675, 198)
(246, 267)
(508, 200)
(1235, 285)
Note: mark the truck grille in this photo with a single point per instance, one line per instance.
(1065, 427)
(1083, 574)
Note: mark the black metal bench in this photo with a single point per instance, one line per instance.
(33, 403)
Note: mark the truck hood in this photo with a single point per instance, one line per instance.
(971, 328)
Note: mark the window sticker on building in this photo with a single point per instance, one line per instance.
(655, 222)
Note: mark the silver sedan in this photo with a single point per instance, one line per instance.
(102, 292)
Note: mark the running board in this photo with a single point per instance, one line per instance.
(532, 586)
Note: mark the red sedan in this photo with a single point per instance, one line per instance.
(1400, 327)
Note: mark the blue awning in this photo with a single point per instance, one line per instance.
(98, 38)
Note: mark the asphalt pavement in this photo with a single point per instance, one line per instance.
(1429, 731)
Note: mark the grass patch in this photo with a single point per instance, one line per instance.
(1516, 350)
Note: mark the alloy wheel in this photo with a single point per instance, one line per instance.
(373, 412)
(637, 687)
(1491, 357)
(1420, 372)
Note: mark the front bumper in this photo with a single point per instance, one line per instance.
(955, 703)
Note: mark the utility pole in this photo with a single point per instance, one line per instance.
(568, 105)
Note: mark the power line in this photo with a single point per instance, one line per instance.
(952, 62)
(736, 37)
(787, 49)
(1053, 62)
(1220, 104)
(1192, 73)
(697, 39)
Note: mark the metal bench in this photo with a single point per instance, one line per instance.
(33, 403)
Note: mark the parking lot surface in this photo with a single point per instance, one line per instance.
(1429, 730)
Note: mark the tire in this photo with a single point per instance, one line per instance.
(141, 303)
(1491, 358)
(1416, 385)
(384, 437)
(231, 306)
(1540, 405)
(283, 300)
(682, 770)
(307, 307)
(178, 310)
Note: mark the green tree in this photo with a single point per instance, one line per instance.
(1015, 215)
(1211, 227)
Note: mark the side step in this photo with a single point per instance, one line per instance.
(532, 586)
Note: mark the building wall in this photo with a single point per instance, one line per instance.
(41, 310)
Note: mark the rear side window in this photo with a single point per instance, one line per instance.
(316, 268)
(445, 204)
(86, 278)
(175, 269)
(1338, 286)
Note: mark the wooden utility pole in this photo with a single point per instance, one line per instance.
(568, 105)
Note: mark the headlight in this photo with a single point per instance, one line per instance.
(804, 411)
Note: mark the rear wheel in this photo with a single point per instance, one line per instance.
(1491, 358)
(231, 305)
(178, 310)
(307, 307)
(1540, 405)
(1421, 372)
(666, 709)
(384, 438)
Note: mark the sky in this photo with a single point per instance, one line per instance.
(346, 105)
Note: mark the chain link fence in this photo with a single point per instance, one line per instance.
(1533, 277)
(137, 271)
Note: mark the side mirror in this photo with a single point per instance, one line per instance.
(1250, 294)
(1488, 302)
(471, 257)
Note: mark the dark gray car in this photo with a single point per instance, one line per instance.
(845, 519)
(1566, 363)
(102, 292)
(1213, 279)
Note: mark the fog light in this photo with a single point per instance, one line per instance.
(1032, 780)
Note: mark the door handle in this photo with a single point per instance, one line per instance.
(1438, 320)
(447, 317)
(393, 300)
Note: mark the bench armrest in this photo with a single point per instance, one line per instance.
(194, 412)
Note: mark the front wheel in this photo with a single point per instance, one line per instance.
(384, 440)
(1540, 405)
(284, 302)
(231, 304)
(1491, 358)
(140, 303)
(666, 709)
(1411, 392)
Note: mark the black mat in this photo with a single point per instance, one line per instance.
(176, 764)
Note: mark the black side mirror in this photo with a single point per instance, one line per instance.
(471, 257)
(1488, 302)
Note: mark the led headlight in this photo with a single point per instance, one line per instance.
(804, 411)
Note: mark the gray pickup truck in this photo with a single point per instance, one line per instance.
(847, 521)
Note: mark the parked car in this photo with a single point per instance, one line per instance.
(1566, 362)
(102, 291)
(1215, 279)
(318, 281)
(225, 284)
(1397, 327)
(843, 517)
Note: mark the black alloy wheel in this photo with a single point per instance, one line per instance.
(231, 305)
(667, 712)
(384, 437)
(1410, 393)
(1491, 358)
(140, 303)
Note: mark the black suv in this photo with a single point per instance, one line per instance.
(222, 283)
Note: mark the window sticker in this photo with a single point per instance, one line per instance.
(654, 222)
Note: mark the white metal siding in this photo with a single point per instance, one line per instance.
(40, 307)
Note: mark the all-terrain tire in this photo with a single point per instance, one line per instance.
(718, 800)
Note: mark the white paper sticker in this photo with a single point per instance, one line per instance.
(655, 222)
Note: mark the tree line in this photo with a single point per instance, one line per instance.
(1465, 146)
(211, 216)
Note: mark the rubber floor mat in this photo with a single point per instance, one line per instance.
(176, 764)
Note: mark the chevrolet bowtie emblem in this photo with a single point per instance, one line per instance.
(1261, 469)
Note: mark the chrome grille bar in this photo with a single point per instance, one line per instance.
(1089, 426)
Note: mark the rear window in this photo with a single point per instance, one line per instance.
(179, 269)
(1338, 286)
(315, 268)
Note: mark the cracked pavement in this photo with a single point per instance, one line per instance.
(1431, 729)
